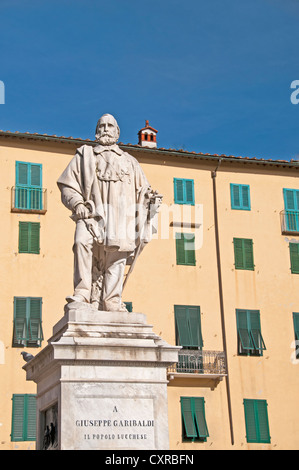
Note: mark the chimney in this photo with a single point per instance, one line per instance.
(147, 136)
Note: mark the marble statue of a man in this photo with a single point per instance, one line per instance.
(113, 205)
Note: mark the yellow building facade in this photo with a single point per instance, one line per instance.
(220, 278)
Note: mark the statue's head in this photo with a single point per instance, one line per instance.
(107, 130)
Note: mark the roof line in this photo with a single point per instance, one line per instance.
(170, 151)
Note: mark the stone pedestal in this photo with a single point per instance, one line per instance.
(102, 383)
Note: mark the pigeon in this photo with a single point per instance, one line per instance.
(26, 356)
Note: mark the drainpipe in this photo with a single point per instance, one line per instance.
(214, 175)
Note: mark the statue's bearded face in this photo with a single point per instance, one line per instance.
(107, 130)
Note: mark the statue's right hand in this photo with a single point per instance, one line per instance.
(81, 211)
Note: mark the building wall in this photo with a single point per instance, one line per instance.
(158, 283)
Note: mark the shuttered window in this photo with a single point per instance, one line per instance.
(28, 192)
(188, 326)
(294, 257)
(296, 331)
(193, 418)
(256, 420)
(183, 191)
(243, 249)
(291, 205)
(240, 196)
(27, 329)
(185, 249)
(23, 423)
(129, 306)
(29, 237)
(250, 339)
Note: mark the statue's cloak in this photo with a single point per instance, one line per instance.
(115, 186)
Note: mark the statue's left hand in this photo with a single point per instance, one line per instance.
(81, 211)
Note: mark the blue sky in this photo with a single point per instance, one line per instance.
(212, 76)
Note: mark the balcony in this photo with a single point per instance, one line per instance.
(289, 222)
(198, 364)
(28, 199)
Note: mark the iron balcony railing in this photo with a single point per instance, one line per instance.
(28, 199)
(289, 221)
(195, 361)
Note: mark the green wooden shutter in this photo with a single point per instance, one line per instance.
(24, 237)
(189, 248)
(240, 196)
(29, 237)
(250, 421)
(235, 196)
(23, 424)
(20, 320)
(182, 328)
(263, 422)
(243, 329)
(183, 191)
(189, 190)
(17, 422)
(31, 418)
(194, 322)
(35, 237)
(296, 325)
(248, 253)
(238, 249)
(294, 256)
(187, 416)
(256, 420)
(180, 248)
(22, 174)
(129, 306)
(243, 250)
(199, 415)
(35, 320)
(178, 191)
(255, 330)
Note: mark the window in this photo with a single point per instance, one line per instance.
(183, 191)
(129, 306)
(27, 322)
(185, 249)
(294, 255)
(291, 206)
(194, 425)
(250, 339)
(240, 196)
(256, 420)
(296, 331)
(29, 237)
(28, 191)
(243, 249)
(23, 423)
(188, 326)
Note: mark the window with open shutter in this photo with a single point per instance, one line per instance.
(185, 249)
(23, 424)
(240, 196)
(194, 425)
(27, 329)
(29, 237)
(243, 250)
(294, 257)
(291, 206)
(183, 191)
(256, 421)
(28, 191)
(296, 331)
(188, 326)
(250, 339)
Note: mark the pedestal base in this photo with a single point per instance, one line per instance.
(103, 378)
